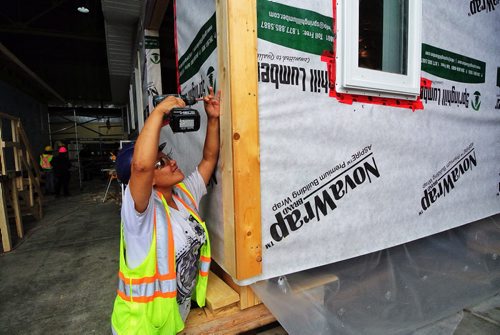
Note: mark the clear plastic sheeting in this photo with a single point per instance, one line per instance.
(415, 288)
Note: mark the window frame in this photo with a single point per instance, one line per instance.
(353, 79)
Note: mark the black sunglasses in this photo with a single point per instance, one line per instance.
(163, 161)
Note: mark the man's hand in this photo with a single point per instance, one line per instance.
(212, 103)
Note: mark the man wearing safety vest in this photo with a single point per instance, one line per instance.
(164, 246)
(46, 165)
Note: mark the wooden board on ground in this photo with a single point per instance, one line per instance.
(310, 279)
(247, 297)
(4, 222)
(219, 294)
(228, 320)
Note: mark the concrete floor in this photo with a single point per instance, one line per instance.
(61, 278)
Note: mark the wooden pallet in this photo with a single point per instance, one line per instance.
(228, 320)
(223, 313)
(230, 309)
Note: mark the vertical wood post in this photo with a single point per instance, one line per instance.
(237, 52)
(2, 150)
(16, 208)
(4, 221)
(16, 149)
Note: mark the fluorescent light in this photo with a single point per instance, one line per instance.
(83, 9)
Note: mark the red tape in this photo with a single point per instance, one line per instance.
(328, 57)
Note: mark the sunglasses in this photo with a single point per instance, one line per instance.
(163, 161)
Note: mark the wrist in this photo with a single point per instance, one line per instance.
(160, 110)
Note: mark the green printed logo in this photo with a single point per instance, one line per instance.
(200, 88)
(155, 58)
(476, 103)
(203, 45)
(151, 42)
(452, 66)
(294, 28)
(211, 80)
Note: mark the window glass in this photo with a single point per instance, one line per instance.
(383, 35)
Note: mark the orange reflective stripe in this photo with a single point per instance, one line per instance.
(187, 193)
(146, 280)
(171, 248)
(190, 210)
(204, 266)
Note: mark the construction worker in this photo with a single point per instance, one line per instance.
(46, 165)
(164, 248)
(62, 173)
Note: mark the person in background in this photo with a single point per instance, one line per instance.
(61, 166)
(86, 162)
(46, 165)
(164, 248)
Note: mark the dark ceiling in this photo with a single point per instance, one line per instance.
(53, 52)
(63, 47)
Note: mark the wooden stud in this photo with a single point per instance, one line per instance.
(17, 210)
(238, 24)
(4, 222)
(226, 140)
(2, 150)
(16, 151)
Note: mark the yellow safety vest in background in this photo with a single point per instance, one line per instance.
(45, 161)
(146, 296)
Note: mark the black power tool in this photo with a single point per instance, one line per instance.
(181, 120)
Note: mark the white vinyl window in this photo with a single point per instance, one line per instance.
(379, 47)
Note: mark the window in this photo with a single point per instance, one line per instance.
(379, 47)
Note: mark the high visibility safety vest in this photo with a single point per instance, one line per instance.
(146, 297)
(46, 161)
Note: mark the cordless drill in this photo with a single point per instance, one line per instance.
(181, 119)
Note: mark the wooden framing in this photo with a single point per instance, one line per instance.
(237, 54)
(4, 221)
(19, 179)
(224, 312)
